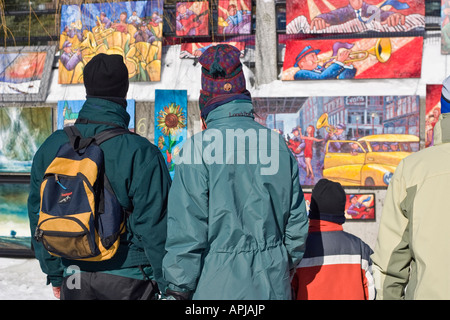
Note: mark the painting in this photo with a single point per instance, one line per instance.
(357, 207)
(353, 140)
(234, 17)
(367, 58)
(25, 73)
(170, 123)
(192, 18)
(131, 29)
(432, 111)
(354, 16)
(15, 234)
(22, 132)
(67, 112)
(445, 27)
(196, 49)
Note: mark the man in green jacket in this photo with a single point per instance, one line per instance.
(140, 179)
(412, 255)
(237, 221)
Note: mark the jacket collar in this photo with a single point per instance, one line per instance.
(232, 109)
(98, 109)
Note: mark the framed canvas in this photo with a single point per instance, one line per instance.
(366, 58)
(131, 29)
(15, 233)
(445, 27)
(192, 18)
(234, 17)
(350, 16)
(432, 111)
(25, 73)
(196, 49)
(353, 140)
(22, 132)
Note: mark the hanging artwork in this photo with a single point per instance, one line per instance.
(131, 29)
(354, 16)
(25, 73)
(367, 58)
(353, 140)
(15, 234)
(22, 132)
(170, 123)
(445, 27)
(67, 112)
(432, 111)
(234, 17)
(192, 18)
(357, 206)
(196, 49)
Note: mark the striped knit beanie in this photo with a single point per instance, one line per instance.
(222, 73)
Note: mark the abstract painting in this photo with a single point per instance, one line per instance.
(67, 112)
(432, 111)
(170, 123)
(234, 17)
(22, 132)
(192, 18)
(131, 29)
(196, 49)
(354, 16)
(367, 58)
(353, 140)
(357, 206)
(25, 73)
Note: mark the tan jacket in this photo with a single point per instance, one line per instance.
(412, 254)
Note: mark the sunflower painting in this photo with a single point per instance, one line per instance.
(170, 123)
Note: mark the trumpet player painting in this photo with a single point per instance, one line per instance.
(132, 29)
(354, 16)
(353, 140)
(367, 58)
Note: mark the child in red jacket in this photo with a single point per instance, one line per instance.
(336, 264)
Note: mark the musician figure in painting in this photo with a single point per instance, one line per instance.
(183, 13)
(69, 58)
(358, 9)
(238, 21)
(309, 68)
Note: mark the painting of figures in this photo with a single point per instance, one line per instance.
(445, 27)
(22, 132)
(196, 49)
(354, 16)
(25, 73)
(192, 18)
(235, 17)
(432, 111)
(131, 29)
(367, 58)
(353, 140)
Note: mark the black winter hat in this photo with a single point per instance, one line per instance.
(328, 202)
(106, 76)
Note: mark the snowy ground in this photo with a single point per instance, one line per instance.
(22, 279)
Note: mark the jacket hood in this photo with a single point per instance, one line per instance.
(442, 129)
(98, 109)
(232, 109)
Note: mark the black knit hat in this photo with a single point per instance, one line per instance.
(106, 76)
(328, 202)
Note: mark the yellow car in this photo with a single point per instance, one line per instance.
(369, 161)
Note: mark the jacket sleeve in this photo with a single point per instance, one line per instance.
(296, 230)
(149, 191)
(187, 235)
(49, 264)
(392, 255)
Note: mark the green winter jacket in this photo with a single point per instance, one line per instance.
(412, 256)
(237, 221)
(140, 179)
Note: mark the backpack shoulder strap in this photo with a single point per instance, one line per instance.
(76, 139)
(110, 133)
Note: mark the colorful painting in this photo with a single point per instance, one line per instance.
(432, 111)
(25, 73)
(67, 112)
(192, 19)
(22, 132)
(15, 234)
(353, 140)
(234, 17)
(445, 26)
(354, 16)
(357, 206)
(132, 29)
(196, 49)
(368, 58)
(170, 123)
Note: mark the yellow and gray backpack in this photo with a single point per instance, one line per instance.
(80, 217)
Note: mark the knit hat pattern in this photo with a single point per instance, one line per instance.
(106, 76)
(328, 201)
